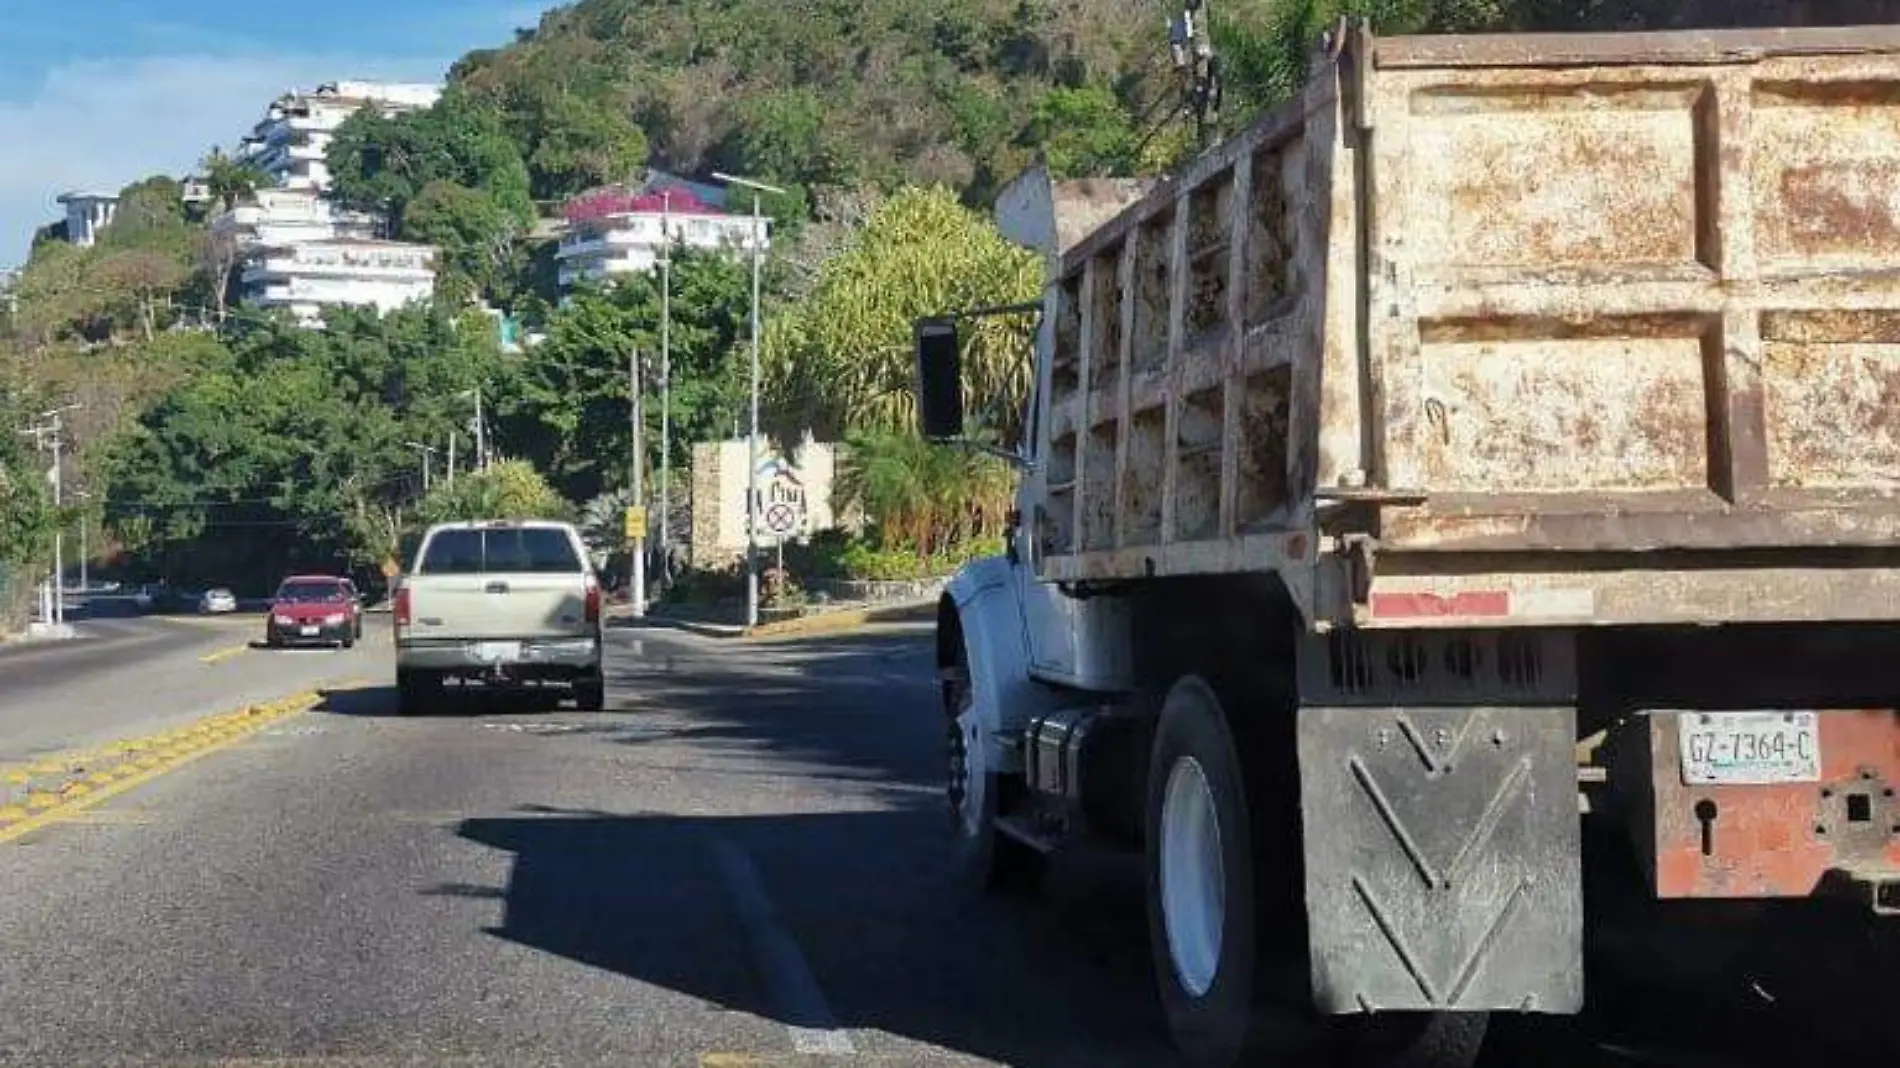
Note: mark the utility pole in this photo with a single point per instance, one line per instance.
(52, 432)
(752, 439)
(666, 377)
(481, 434)
(452, 436)
(638, 552)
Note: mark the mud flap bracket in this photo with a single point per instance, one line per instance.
(1442, 856)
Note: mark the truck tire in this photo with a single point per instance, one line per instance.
(986, 859)
(1214, 947)
(416, 693)
(590, 693)
(1202, 928)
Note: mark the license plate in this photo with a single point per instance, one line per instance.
(308, 632)
(1749, 748)
(494, 652)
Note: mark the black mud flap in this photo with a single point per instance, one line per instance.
(1442, 851)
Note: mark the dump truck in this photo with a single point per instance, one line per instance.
(1457, 529)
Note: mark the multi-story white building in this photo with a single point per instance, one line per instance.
(307, 276)
(298, 249)
(291, 216)
(618, 231)
(289, 142)
(87, 214)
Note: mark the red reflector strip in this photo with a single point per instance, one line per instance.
(1485, 603)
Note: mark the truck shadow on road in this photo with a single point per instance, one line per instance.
(842, 742)
(887, 943)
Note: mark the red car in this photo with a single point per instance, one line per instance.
(314, 610)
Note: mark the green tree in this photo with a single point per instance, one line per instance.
(574, 143)
(476, 237)
(842, 359)
(380, 163)
(923, 497)
(1084, 131)
(289, 448)
(229, 181)
(509, 489)
(571, 415)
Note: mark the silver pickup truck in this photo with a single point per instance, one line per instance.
(509, 603)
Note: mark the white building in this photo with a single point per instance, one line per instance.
(616, 231)
(308, 276)
(292, 216)
(87, 214)
(289, 142)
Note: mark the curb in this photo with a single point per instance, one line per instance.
(846, 619)
(46, 789)
(817, 623)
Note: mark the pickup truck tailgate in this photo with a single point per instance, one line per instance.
(500, 606)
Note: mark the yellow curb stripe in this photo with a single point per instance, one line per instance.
(224, 654)
(53, 808)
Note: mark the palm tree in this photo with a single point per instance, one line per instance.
(923, 497)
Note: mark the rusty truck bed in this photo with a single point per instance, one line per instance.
(1590, 328)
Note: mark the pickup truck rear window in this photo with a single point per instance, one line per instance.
(532, 550)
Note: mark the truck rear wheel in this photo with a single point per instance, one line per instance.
(1214, 945)
(1202, 927)
(590, 693)
(416, 692)
(986, 858)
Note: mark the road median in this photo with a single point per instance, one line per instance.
(42, 790)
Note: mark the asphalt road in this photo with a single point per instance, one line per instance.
(739, 863)
(126, 675)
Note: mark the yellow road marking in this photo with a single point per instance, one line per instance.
(179, 748)
(225, 653)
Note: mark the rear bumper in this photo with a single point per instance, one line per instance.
(325, 635)
(530, 658)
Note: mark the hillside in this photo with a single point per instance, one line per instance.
(831, 92)
(962, 92)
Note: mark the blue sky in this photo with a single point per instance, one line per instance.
(98, 93)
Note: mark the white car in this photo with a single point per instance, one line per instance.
(217, 601)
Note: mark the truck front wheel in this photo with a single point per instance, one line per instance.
(986, 858)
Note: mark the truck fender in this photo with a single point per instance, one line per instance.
(981, 607)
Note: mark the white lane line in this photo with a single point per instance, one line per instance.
(794, 991)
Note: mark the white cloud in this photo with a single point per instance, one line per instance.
(101, 124)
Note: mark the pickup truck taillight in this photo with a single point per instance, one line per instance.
(593, 599)
(402, 606)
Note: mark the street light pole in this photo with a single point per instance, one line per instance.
(752, 438)
(428, 459)
(638, 452)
